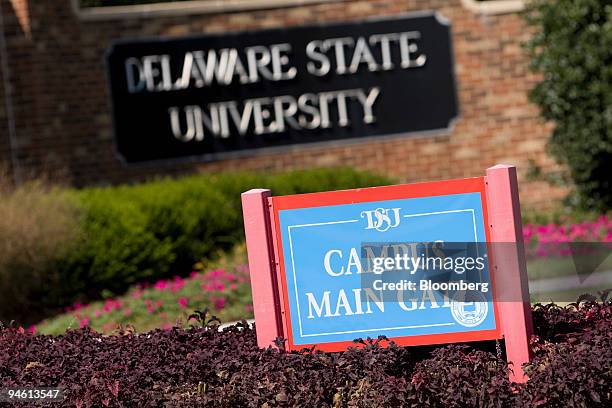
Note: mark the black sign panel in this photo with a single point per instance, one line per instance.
(210, 95)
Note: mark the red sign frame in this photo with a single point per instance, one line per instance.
(508, 272)
(401, 191)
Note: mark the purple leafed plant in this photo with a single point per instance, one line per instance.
(203, 366)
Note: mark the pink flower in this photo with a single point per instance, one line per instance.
(32, 329)
(193, 274)
(97, 313)
(84, 322)
(111, 305)
(127, 312)
(233, 286)
(183, 302)
(548, 240)
(178, 284)
(219, 304)
(161, 285)
(217, 273)
(209, 287)
(151, 307)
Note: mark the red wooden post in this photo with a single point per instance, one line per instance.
(261, 266)
(508, 256)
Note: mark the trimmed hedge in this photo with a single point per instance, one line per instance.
(158, 229)
(155, 230)
(202, 367)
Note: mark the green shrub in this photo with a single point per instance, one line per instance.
(154, 230)
(572, 49)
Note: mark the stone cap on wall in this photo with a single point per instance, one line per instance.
(184, 8)
(489, 7)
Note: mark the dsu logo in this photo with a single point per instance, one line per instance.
(381, 219)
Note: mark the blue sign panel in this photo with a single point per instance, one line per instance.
(363, 270)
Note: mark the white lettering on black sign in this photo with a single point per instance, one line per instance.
(222, 93)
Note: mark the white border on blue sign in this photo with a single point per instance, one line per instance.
(297, 300)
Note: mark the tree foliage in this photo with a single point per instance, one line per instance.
(572, 50)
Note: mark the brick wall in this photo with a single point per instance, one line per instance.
(4, 135)
(63, 121)
(4, 124)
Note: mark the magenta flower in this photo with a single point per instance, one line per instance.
(219, 304)
(177, 284)
(84, 322)
(217, 273)
(161, 285)
(109, 306)
(550, 240)
(183, 302)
